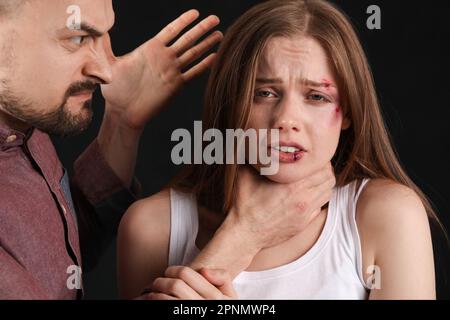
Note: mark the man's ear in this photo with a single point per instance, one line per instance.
(346, 122)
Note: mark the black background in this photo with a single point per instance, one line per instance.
(410, 61)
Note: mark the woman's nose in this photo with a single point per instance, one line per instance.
(287, 117)
(287, 125)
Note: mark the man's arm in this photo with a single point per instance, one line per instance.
(100, 198)
(264, 215)
(16, 282)
(143, 83)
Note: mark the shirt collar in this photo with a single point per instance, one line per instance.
(10, 138)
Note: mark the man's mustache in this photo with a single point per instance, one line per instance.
(81, 86)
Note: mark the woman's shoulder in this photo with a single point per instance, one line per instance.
(148, 214)
(390, 217)
(383, 201)
(395, 236)
(146, 224)
(143, 242)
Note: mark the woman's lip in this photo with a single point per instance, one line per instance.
(289, 144)
(287, 157)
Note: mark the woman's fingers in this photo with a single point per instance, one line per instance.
(195, 281)
(188, 39)
(176, 288)
(160, 296)
(196, 52)
(173, 29)
(221, 279)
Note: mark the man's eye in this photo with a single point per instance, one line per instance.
(78, 40)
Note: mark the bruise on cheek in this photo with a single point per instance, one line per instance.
(336, 116)
(337, 109)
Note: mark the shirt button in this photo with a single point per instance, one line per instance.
(11, 138)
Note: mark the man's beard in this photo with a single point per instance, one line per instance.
(58, 122)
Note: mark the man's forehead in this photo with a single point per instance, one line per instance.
(96, 13)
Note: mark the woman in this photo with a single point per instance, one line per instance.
(296, 66)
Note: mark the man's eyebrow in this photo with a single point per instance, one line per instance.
(91, 30)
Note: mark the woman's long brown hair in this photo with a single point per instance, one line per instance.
(365, 149)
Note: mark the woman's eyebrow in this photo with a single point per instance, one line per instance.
(269, 80)
(323, 84)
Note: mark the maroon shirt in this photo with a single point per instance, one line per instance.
(40, 231)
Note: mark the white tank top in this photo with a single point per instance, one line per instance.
(331, 269)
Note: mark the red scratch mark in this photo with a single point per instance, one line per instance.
(327, 83)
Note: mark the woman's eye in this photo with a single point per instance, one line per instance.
(318, 98)
(264, 94)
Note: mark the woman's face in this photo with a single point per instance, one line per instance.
(296, 92)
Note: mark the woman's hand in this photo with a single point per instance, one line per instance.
(183, 283)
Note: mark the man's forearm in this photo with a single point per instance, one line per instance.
(119, 146)
(229, 250)
(16, 283)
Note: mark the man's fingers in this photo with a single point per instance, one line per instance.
(196, 52)
(173, 29)
(321, 196)
(199, 68)
(248, 180)
(322, 175)
(190, 38)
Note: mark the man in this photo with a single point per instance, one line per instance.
(50, 65)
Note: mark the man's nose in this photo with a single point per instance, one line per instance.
(100, 63)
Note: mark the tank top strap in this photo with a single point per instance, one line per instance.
(354, 192)
(183, 226)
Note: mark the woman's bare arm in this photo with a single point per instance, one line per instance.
(396, 238)
(143, 244)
